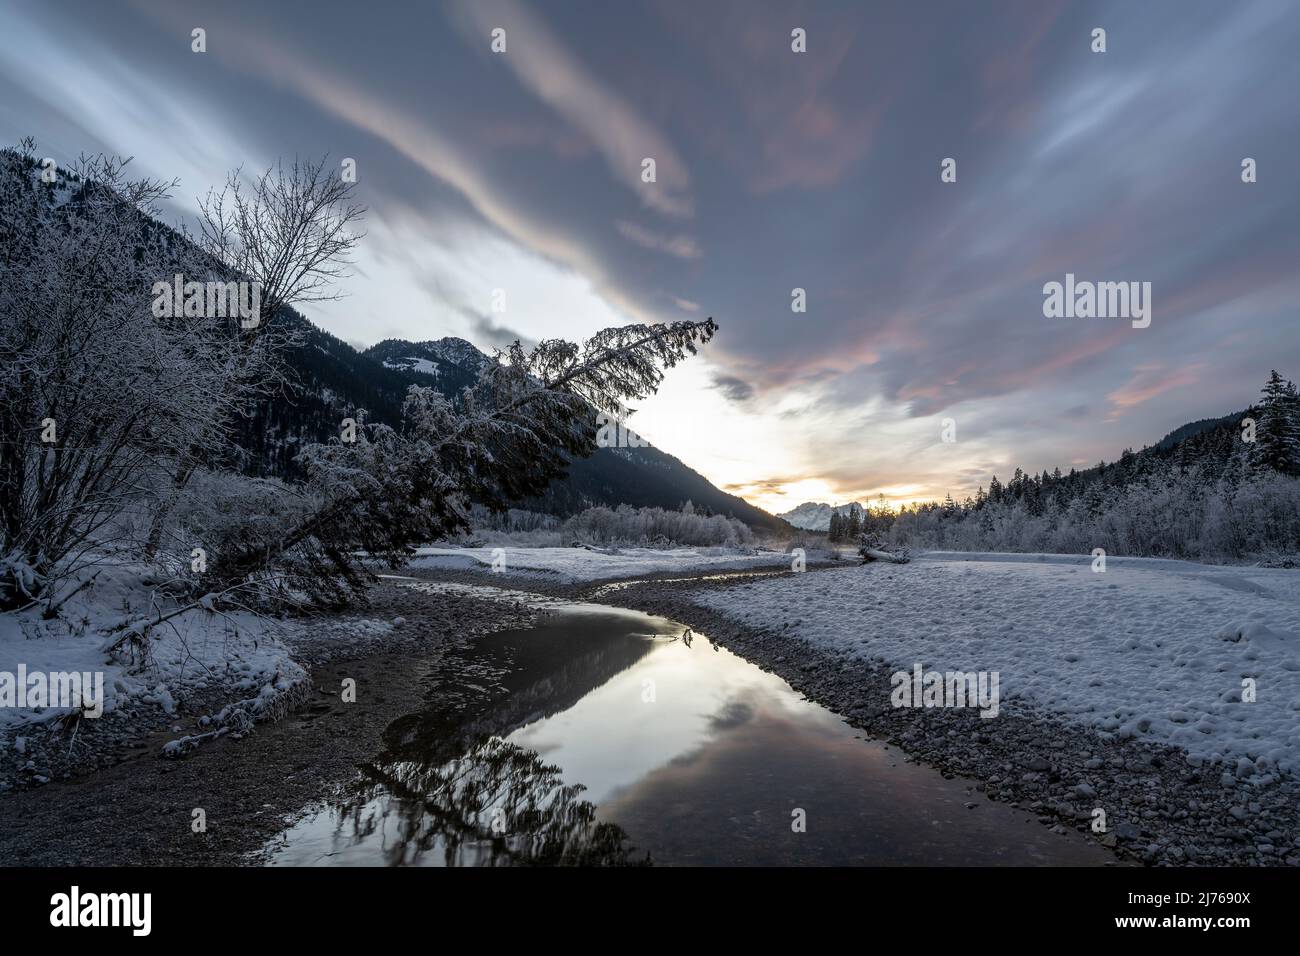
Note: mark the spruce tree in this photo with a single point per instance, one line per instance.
(1277, 439)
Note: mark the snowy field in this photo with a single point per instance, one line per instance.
(580, 564)
(1153, 649)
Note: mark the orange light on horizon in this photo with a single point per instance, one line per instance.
(795, 493)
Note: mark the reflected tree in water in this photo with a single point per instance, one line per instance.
(500, 804)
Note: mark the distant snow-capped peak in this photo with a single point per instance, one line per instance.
(816, 515)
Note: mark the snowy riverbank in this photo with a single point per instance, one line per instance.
(573, 565)
(1165, 651)
(1105, 677)
(135, 808)
(201, 675)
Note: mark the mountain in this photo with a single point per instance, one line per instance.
(331, 380)
(453, 362)
(1192, 429)
(816, 515)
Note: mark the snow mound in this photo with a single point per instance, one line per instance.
(201, 649)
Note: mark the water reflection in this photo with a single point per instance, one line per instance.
(497, 804)
(610, 737)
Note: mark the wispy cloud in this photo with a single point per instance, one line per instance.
(736, 389)
(682, 246)
(775, 170)
(1147, 382)
(557, 78)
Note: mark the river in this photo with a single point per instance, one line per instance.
(609, 736)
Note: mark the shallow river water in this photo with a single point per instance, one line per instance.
(611, 736)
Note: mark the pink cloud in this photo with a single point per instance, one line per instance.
(807, 136)
(1148, 381)
(532, 133)
(548, 69)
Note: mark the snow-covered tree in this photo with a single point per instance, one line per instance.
(1277, 443)
(626, 525)
(504, 439)
(291, 232)
(853, 525)
(95, 392)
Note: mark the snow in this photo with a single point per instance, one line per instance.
(1079, 560)
(250, 662)
(203, 649)
(1154, 649)
(484, 591)
(458, 351)
(414, 363)
(581, 564)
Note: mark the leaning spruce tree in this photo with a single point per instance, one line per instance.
(107, 413)
(373, 501)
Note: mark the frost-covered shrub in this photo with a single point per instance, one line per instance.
(656, 528)
(226, 514)
(109, 407)
(1175, 514)
(814, 546)
(96, 394)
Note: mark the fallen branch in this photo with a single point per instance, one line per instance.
(874, 554)
(52, 609)
(137, 631)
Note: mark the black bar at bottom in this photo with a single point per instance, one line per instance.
(331, 905)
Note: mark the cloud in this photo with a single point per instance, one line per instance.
(1147, 382)
(812, 117)
(484, 332)
(737, 390)
(816, 170)
(681, 246)
(442, 156)
(775, 485)
(558, 79)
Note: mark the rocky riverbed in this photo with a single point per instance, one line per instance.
(114, 800)
(1158, 809)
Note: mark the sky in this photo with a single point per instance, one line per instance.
(515, 179)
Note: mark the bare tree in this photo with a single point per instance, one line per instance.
(291, 232)
(95, 393)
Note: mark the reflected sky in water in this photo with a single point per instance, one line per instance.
(604, 736)
(613, 735)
